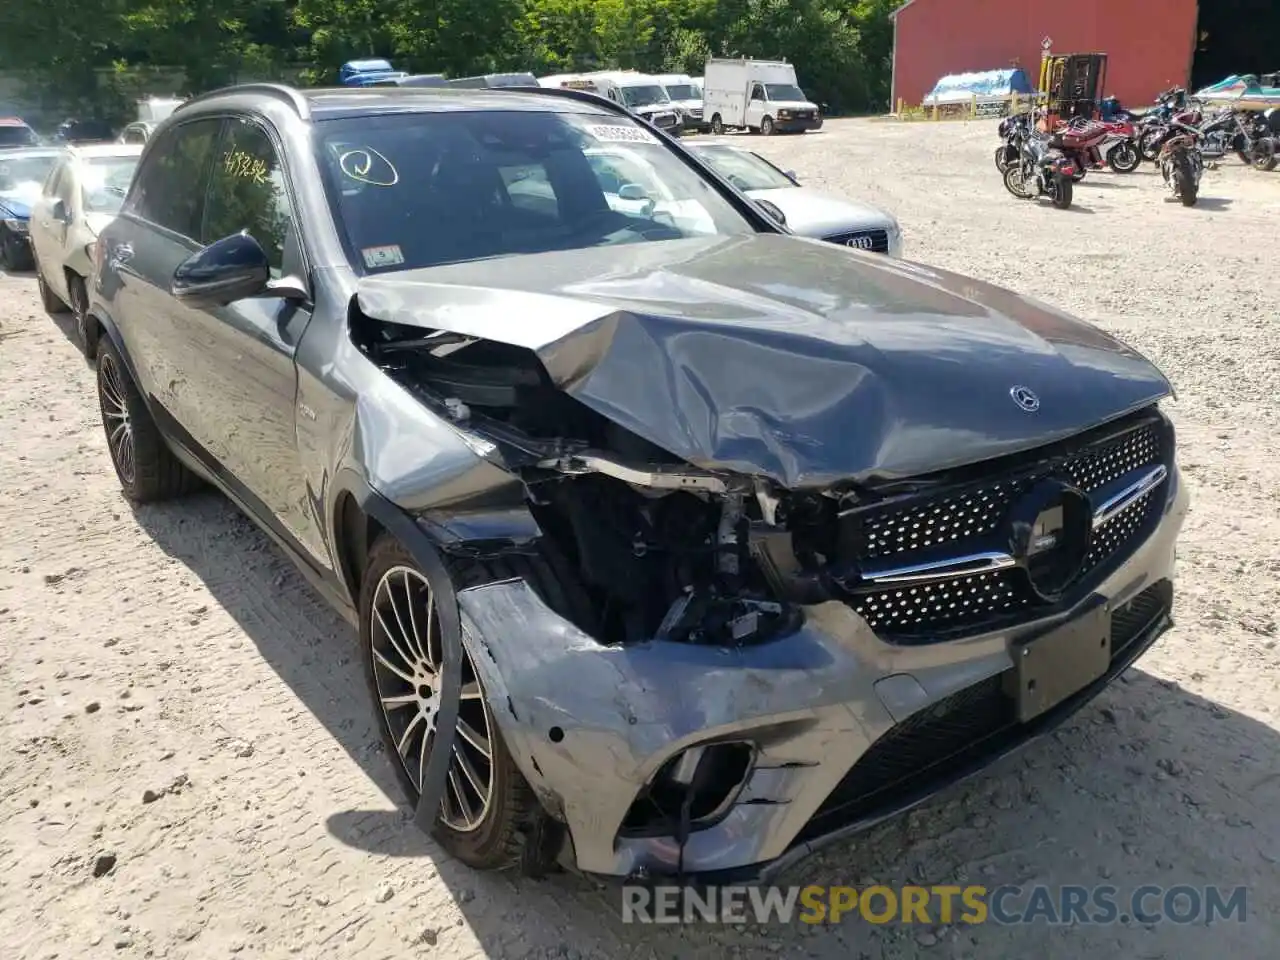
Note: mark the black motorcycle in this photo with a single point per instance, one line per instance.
(1264, 129)
(1013, 130)
(1040, 171)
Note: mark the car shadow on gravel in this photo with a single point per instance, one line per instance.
(1142, 786)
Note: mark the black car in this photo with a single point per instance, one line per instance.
(677, 544)
(77, 131)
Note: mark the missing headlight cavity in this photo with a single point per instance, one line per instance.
(640, 545)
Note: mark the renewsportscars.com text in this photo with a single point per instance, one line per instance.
(940, 904)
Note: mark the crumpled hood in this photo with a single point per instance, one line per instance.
(777, 356)
(812, 213)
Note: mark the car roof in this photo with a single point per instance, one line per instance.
(331, 103)
(90, 151)
(12, 122)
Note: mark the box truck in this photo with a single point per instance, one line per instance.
(757, 95)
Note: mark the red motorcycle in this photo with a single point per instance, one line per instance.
(1095, 143)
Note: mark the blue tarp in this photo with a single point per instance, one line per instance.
(987, 84)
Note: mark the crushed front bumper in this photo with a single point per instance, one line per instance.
(847, 729)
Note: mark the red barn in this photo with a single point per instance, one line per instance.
(1149, 46)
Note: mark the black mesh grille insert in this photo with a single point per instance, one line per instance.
(934, 745)
(896, 532)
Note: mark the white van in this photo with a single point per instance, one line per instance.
(640, 93)
(686, 96)
(757, 95)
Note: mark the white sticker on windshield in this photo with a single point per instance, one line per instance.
(618, 134)
(388, 256)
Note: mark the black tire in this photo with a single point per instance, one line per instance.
(1149, 146)
(1264, 154)
(1002, 158)
(1125, 158)
(15, 254)
(78, 293)
(717, 125)
(48, 299)
(766, 126)
(1061, 195)
(147, 468)
(497, 840)
(1184, 181)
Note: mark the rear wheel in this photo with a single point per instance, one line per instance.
(15, 254)
(146, 466)
(717, 125)
(488, 808)
(766, 126)
(1184, 182)
(1060, 191)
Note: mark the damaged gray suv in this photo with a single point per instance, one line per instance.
(677, 544)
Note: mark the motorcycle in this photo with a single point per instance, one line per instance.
(1153, 127)
(1181, 164)
(1223, 132)
(1042, 167)
(1012, 131)
(1264, 130)
(1093, 144)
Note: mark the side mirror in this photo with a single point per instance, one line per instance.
(774, 212)
(632, 191)
(792, 176)
(230, 269)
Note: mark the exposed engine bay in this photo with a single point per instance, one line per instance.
(664, 550)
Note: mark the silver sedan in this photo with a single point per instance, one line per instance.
(808, 212)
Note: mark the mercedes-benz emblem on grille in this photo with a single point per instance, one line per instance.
(862, 243)
(1049, 530)
(1025, 398)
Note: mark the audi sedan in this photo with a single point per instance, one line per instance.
(808, 212)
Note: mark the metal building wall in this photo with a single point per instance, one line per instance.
(1149, 46)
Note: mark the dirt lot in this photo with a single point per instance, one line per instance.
(175, 698)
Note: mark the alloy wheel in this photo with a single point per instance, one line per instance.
(115, 417)
(407, 667)
(79, 309)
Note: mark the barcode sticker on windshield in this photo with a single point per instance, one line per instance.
(612, 134)
(388, 256)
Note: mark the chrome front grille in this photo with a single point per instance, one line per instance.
(964, 520)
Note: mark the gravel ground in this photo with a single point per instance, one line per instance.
(185, 717)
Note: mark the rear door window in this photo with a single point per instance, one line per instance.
(169, 189)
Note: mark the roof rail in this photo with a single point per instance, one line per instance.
(281, 91)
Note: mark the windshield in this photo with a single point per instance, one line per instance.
(19, 172)
(784, 91)
(683, 91)
(744, 170)
(418, 190)
(644, 96)
(105, 181)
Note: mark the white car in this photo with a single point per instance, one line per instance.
(81, 195)
(808, 212)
